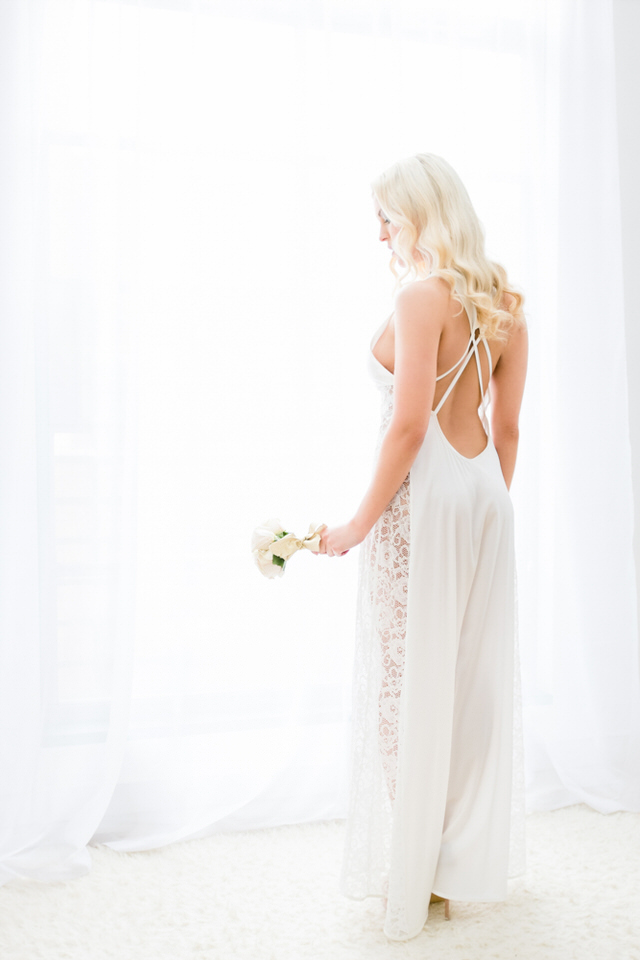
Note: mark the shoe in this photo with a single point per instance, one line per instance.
(436, 899)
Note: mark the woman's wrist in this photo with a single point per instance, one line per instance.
(359, 527)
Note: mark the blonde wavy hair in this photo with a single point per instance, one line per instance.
(426, 199)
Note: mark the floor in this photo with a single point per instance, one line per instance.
(273, 895)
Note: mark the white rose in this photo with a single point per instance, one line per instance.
(266, 566)
(265, 534)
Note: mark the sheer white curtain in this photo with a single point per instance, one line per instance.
(574, 499)
(191, 277)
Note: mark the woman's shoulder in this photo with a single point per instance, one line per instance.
(515, 335)
(426, 292)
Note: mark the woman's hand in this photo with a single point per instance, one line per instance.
(336, 541)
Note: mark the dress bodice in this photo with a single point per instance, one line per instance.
(380, 375)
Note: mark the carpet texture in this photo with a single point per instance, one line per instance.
(273, 895)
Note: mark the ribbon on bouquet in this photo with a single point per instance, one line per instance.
(272, 545)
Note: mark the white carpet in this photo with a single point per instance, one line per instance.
(273, 895)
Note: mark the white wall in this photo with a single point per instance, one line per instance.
(626, 15)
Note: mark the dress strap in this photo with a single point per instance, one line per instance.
(486, 397)
(466, 350)
(472, 348)
(451, 369)
(486, 346)
(466, 358)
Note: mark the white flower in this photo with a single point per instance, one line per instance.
(266, 566)
(266, 534)
(271, 543)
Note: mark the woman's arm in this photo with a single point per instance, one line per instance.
(507, 388)
(420, 313)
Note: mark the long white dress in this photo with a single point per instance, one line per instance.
(436, 783)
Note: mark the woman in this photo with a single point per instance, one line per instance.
(434, 813)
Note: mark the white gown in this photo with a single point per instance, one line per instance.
(436, 784)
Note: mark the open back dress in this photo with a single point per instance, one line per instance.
(436, 780)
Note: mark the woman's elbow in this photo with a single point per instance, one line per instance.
(411, 432)
(507, 432)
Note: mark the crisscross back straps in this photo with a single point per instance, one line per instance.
(472, 348)
(470, 352)
(458, 362)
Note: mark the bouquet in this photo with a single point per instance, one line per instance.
(272, 546)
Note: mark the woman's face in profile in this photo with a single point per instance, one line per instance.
(388, 230)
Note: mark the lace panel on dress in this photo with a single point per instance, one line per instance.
(377, 687)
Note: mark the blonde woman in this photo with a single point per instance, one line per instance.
(436, 804)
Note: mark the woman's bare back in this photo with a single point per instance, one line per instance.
(458, 418)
